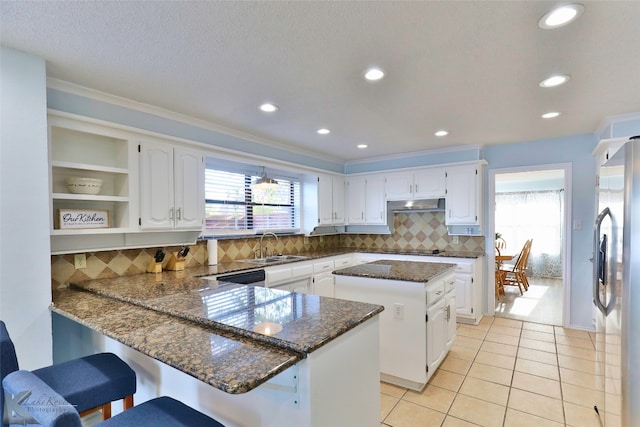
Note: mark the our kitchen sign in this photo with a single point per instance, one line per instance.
(82, 218)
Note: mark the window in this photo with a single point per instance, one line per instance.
(231, 204)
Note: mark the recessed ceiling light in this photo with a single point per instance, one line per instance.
(550, 115)
(555, 80)
(268, 108)
(441, 133)
(362, 145)
(323, 131)
(374, 74)
(560, 16)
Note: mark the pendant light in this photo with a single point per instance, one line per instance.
(264, 183)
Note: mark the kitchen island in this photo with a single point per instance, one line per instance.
(252, 356)
(418, 325)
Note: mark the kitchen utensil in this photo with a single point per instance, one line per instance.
(159, 256)
(183, 252)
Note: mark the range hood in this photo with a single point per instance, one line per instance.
(420, 205)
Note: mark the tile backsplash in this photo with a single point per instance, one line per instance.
(415, 230)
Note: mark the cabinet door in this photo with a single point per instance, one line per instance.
(398, 185)
(375, 206)
(436, 336)
(338, 200)
(156, 186)
(189, 188)
(356, 200)
(325, 200)
(450, 311)
(462, 195)
(324, 285)
(464, 295)
(429, 183)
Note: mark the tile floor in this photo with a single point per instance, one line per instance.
(504, 372)
(541, 303)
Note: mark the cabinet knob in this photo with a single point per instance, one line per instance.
(171, 216)
(179, 214)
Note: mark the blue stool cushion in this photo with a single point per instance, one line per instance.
(44, 405)
(8, 361)
(90, 381)
(161, 411)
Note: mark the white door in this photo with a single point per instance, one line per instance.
(325, 200)
(355, 200)
(156, 186)
(398, 185)
(464, 295)
(429, 183)
(338, 199)
(462, 193)
(436, 335)
(189, 189)
(324, 285)
(375, 209)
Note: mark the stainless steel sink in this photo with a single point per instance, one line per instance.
(276, 259)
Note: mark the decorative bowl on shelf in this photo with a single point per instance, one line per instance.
(81, 185)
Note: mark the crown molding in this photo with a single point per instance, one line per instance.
(120, 101)
(611, 120)
(401, 156)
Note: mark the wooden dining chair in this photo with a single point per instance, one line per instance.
(500, 275)
(516, 275)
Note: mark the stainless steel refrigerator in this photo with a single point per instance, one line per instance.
(616, 287)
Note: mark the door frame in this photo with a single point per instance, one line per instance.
(566, 241)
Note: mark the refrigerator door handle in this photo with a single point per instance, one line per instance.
(598, 261)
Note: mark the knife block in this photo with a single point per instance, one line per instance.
(174, 263)
(154, 267)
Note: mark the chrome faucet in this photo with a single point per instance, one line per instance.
(262, 255)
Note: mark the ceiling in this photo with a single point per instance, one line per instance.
(471, 67)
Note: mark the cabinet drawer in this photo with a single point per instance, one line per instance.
(434, 292)
(449, 283)
(302, 270)
(343, 262)
(277, 275)
(464, 268)
(320, 267)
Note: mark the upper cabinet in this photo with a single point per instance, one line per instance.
(90, 176)
(426, 183)
(330, 200)
(463, 200)
(171, 187)
(365, 203)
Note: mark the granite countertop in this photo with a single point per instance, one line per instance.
(213, 357)
(304, 322)
(408, 271)
(236, 266)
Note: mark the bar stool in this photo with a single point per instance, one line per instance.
(90, 382)
(161, 411)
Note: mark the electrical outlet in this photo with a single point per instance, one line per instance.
(398, 311)
(456, 240)
(80, 261)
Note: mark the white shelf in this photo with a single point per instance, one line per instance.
(88, 167)
(85, 231)
(89, 197)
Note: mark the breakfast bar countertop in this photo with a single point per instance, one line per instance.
(292, 321)
(212, 357)
(408, 271)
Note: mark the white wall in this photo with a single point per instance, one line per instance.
(25, 263)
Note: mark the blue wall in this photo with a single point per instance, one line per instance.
(83, 106)
(577, 151)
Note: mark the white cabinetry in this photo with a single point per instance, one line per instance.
(468, 290)
(323, 281)
(330, 200)
(365, 202)
(80, 149)
(463, 195)
(415, 326)
(294, 277)
(426, 183)
(171, 187)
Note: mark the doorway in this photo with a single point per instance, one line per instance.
(531, 203)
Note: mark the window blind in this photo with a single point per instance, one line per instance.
(231, 203)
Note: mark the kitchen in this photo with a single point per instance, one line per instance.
(27, 231)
